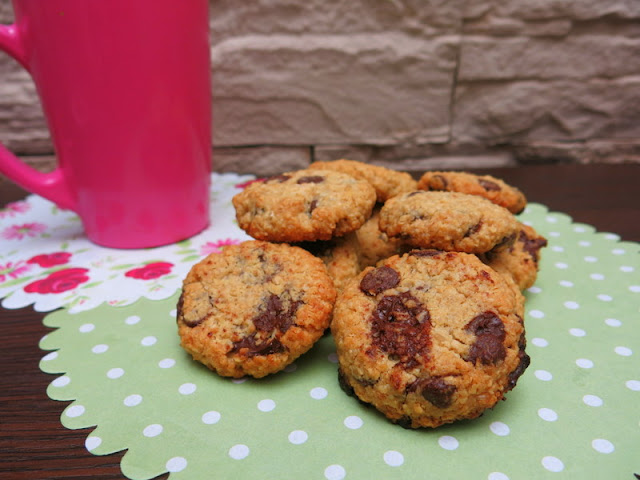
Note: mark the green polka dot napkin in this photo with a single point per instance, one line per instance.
(575, 413)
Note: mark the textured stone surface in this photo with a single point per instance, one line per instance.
(411, 84)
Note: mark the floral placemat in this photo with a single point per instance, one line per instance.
(574, 414)
(47, 261)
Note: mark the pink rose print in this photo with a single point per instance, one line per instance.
(216, 247)
(14, 208)
(150, 271)
(18, 232)
(58, 282)
(13, 270)
(50, 259)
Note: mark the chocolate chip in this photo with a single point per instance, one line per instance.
(473, 229)
(413, 194)
(272, 321)
(344, 384)
(523, 362)
(313, 205)
(379, 280)
(488, 346)
(438, 182)
(400, 327)
(488, 185)
(310, 179)
(404, 422)
(435, 390)
(278, 178)
(424, 253)
(532, 245)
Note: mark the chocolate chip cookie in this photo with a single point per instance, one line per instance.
(254, 308)
(486, 186)
(375, 245)
(388, 183)
(430, 337)
(304, 205)
(448, 221)
(521, 260)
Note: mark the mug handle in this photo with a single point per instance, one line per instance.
(52, 186)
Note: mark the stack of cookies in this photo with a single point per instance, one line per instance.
(419, 281)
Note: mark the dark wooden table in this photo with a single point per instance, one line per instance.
(33, 443)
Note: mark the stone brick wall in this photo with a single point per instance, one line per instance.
(413, 84)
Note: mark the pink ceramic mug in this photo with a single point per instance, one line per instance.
(125, 86)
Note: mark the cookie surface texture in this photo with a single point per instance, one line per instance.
(374, 245)
(521, 260)
(387, 182)
(430, 338)
(448, 221)
(491, 188)
(304, 205)
(254, 308)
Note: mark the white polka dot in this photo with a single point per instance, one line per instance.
(577, 332)
(612, 236)
(298, 437)
(634, 288)
(562, 265)
(536, 314)
(211, 417)
(552, 219)
(627, 268)
(86, 328)
(393, 458)
(571, 305)
(100, 348)
(623, 351)
(62, 381)
(166, 363)
(500, 429)
(292, 367)
(152, 430)
(553, 464)
(591, 259)
(603, 446)
(579, 229)
(547, 414)
(334, 472)
(266, 405)
(353, 422)
(613, 322)
(50, 356)
(238, 381)
(115, 373)
(333, 357)
(176, 464)
(618, 251)
(596, 276)
(238, 452)
(132, 320)
(584, 363)
(92, 442)
(592, 400)
(584, 243)
(543, 375)
(318, 393)
(448, 442)
(173, 313)
(554, 234)
(133, 400)
(633, 385)
(604, 297)
(557, 248)
(565, 283)
(534, 289)
(148, 341)
(497, 476)
(187, 388)
(539, 342)
(74, 411)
